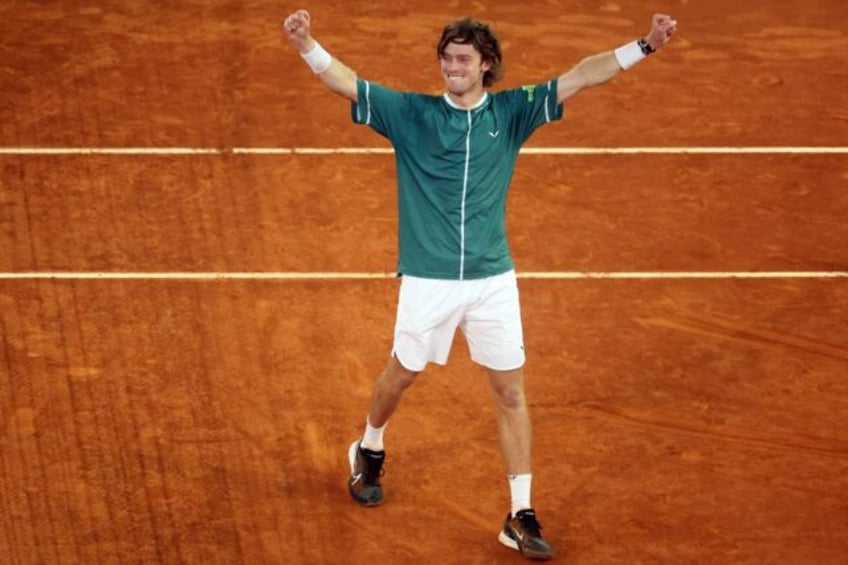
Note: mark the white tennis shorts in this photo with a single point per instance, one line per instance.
(487, 311)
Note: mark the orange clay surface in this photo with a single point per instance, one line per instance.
(676, 421)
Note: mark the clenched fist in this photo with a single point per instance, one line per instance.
(662, 28)
(297, 29)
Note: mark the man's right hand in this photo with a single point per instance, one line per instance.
(297, 29)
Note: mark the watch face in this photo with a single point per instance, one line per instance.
(645, 46)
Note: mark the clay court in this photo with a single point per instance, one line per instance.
(196, 290)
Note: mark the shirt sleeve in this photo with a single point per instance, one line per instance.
(532, 106)
(381, 108)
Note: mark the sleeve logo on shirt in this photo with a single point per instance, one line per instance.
(530, 91)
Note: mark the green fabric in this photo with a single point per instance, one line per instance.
(452, 186)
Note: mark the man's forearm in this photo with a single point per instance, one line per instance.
(598, 69)
(591, 71)
(332, 72)
(340, 79)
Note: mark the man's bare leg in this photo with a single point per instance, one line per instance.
(388, 390)
(513, 417)
(521, 530)
(366, 455)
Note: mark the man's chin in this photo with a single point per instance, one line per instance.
(456, 86)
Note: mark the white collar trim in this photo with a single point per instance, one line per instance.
(453, 104)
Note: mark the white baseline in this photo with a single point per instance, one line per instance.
(298, 275)
(178, 151)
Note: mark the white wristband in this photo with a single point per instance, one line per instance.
(318, 59)
(629, 54)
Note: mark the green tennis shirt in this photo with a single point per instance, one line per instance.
(454, 168)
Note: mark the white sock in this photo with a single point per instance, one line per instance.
(519, 490)
(373, 437)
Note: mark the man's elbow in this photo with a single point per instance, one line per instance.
(341, 81)
(348, 89)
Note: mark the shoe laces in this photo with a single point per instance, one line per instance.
(527, 519)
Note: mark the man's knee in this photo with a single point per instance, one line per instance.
(399, 375)
(508, 388)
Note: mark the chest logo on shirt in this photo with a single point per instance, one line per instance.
(495, 133)
(530, 90)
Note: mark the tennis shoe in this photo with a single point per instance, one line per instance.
(523, 533)
(366, 468)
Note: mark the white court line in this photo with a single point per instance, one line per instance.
(293, 275)
(175, 151)
(111, 151)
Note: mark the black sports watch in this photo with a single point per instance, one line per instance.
(645, 46)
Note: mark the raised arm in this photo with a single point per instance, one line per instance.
(330, 70)
(598, 69)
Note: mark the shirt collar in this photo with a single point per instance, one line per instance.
(477, 106)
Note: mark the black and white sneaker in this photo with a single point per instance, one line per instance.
(524, 533)
(366, 468)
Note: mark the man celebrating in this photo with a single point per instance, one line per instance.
(455, 157)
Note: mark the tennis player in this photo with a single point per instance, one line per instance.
(455, 155)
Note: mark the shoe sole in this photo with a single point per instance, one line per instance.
(508, 541)
(351, 456)
(505, 539)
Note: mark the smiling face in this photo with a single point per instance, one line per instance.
(463, 69)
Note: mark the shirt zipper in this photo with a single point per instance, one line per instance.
(464, 191)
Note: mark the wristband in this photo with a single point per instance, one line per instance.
(317, 58)
(631, 53)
